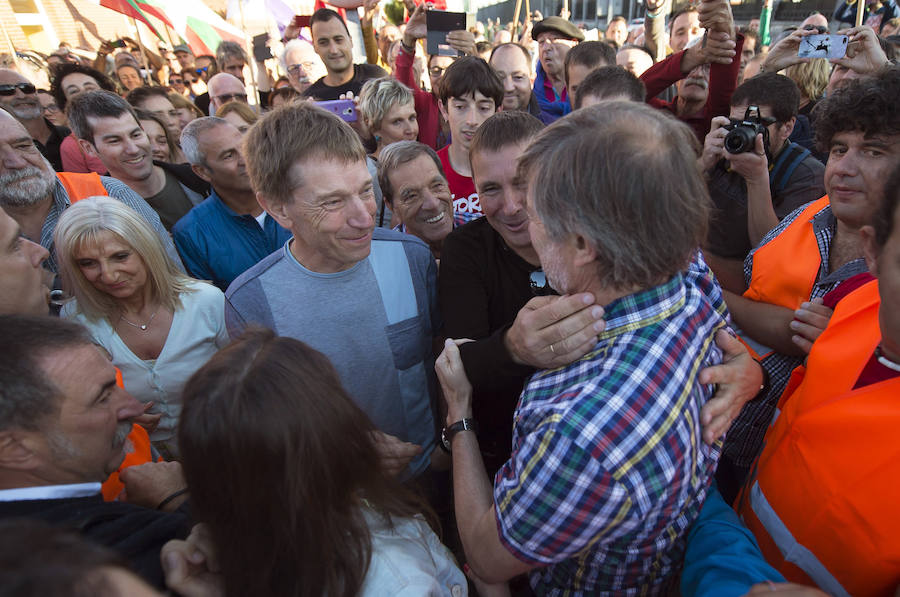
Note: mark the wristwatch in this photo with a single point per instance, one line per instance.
(447, 433)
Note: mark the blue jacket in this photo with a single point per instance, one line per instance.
(218, 245)
(552, 109)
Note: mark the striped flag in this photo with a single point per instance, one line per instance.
(138, 10)
(198, 25)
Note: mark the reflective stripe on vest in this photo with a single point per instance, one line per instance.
(81, 186)
(823, 495)
(790, 549)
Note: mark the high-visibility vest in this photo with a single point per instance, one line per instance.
(823, 497)
(786, 268)
(138, 451)
(81, 186)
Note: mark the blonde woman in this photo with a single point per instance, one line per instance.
(158, 325)
(239, 114)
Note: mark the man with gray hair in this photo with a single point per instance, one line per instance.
(413, 184)
(609, 468)
(229, 232)
(302, 65)
(18, 96)
(35, 196)
(366, 297)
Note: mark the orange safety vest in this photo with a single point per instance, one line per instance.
(785, 269)
(80, 186)
(823, 497)
(140, 452)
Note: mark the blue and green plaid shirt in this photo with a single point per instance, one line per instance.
(608, 468)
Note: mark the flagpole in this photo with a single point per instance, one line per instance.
(140, 42)
(860, 11)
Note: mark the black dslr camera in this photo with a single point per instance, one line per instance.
(741, 135)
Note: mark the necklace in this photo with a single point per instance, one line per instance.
(886, 361)
(142, 327)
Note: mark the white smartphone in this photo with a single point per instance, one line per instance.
(823, 46)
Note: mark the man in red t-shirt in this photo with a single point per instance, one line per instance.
(470, 92)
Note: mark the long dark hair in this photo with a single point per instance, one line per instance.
(280, 461)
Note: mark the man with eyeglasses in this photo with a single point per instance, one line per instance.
(18, 96)
(224, 88)
(302, 64)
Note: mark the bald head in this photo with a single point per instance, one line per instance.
(816, 20)
(24, 106)
(224, 88)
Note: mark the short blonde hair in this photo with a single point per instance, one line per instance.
(377, 97)
(811, 77)
(82, 224)
(241, 109)
(291, 133)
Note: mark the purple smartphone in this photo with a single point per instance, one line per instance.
(346, 109)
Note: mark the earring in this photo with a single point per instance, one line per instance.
(377, 138)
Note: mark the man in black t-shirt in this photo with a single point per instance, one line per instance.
(331, 40)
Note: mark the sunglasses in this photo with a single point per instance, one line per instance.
(227, 97)
(27, 88)
(200, 71)
(539, 284)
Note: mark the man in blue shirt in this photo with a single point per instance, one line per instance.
(229, 232)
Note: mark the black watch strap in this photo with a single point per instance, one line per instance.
(463, 425)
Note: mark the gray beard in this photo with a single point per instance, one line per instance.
(25, 112)
(27, 186)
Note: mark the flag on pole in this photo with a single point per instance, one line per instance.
(198, 25)
(138, 10)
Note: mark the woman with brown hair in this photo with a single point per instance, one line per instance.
(284, 473)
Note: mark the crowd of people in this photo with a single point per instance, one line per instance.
(556, 316)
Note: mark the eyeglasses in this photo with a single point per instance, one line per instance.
(51, 108)
(176, 80)
(10, 89)
(539, 284)
(227, 97)
(436, 71)
(294, 69)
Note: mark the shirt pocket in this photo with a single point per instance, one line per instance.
(408, 342)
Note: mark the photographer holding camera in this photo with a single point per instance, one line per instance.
(755, 175)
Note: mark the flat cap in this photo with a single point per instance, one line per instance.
(559, 25)
(182, 48)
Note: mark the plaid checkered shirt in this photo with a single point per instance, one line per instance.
(608, 468)
(745, 437)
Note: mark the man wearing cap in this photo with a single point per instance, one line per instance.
(184, 56)
(555, 37)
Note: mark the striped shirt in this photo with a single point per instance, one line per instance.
(117, 190)
(745, 436)
(609, 469)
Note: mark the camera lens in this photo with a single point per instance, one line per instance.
(740, 139)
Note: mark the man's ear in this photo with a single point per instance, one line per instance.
(276, 209)
(788, 127)
(202, 171)
(18, 449)
(88, 148)
(584, 252)
(870, 248)
(443, 108)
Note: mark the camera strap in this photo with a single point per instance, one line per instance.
(784, 167)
